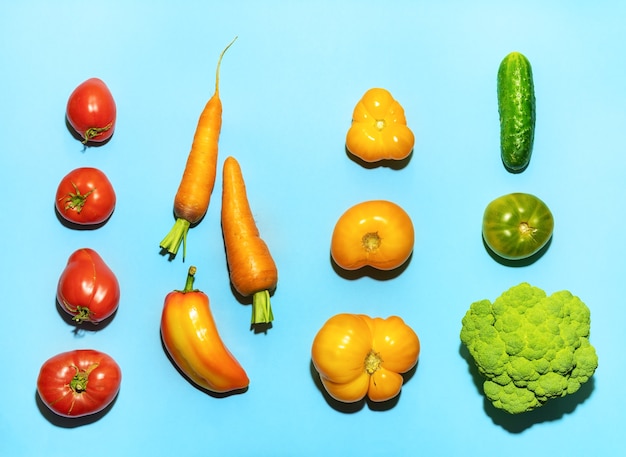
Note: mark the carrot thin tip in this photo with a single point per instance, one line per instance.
(262, 308)
(219, 64)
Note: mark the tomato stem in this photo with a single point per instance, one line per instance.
(93, 132)
(372, 362)
(75, 200)
(371, 241)
(79, 382)
(262, 308)
(526, 230)
(83, 314)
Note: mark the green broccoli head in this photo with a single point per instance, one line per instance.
(530, 347)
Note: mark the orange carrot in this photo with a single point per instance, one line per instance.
(251, 266)
(194, 192)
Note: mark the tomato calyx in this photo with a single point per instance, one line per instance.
(82, 314)
(78, 384)
(371, 241)
(526, 230)
(372, 362)
(76, 200)
(94, 132)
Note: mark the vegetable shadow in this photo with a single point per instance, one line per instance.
(380, 275)
(386, 163)
(88, 144)
(201, 389)
(552, 410)
(71, 422)
(79, 328)
(521, 262)
(74, 226)
(351, 408)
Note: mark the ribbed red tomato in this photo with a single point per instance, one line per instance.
(88, 289)
(79, 383)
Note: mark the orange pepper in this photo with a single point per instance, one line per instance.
(357, 356)
(191, 338)
(379, 129)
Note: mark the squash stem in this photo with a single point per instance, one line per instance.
(177, 234)
(262, 308)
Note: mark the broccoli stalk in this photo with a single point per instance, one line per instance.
(529, 347)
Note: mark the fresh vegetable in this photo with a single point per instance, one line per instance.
(379, 129)
(357, 356)
(91, 111)
(516, 107)
(191, 338)
(88, 289)
(79, 383)
(517, 225)
(252, 269)
(376, 233)
(196, 186)
(85, 196)
(530, 347)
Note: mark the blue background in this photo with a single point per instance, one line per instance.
(288, 86)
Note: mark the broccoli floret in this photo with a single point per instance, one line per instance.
(530, 347)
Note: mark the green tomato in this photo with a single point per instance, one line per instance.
(517, 225)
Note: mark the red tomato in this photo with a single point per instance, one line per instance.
(85, 196)
(91, 111)
(78, 383)
(88, 290)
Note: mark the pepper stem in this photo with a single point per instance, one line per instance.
(190, 278)
(262, 308)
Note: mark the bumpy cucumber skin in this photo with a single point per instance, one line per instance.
(516, 107)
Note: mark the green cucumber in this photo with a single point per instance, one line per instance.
(516, 107)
